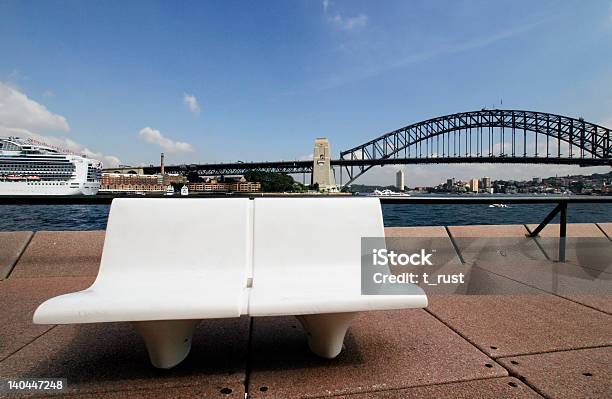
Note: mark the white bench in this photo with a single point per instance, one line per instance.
(169, 263)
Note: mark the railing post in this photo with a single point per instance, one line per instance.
(562, 230)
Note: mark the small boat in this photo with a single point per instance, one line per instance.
(498, 206)
(388, 193)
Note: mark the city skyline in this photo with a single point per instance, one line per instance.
(145, 77)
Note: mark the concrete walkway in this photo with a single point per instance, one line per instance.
(517, 335)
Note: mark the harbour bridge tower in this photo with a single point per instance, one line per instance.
(321, 169)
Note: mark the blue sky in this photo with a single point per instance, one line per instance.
(237, 80)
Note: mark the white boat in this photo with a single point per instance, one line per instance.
(388, 193)
(169, 190)
(498, 206)
(28, 167)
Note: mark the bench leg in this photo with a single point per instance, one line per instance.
(326, 332)
(168, 341)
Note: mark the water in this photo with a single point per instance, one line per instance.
(93, 217)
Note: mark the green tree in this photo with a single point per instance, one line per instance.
(273, 182)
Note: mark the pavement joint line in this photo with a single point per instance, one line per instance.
(22, 251)
(249, 359)
(540, 289)
(603, 231)
(518, 354)
(462, 336)
(510, 373)
(452, 240)
(556, 351)
(29, 343)
(415, 386)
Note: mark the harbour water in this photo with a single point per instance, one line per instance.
(94, 217)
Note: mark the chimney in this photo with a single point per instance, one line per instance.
(162, 163)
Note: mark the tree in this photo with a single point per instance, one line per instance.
(272, 182)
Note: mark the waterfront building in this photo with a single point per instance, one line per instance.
(239, 185)
(486, 183)
(28, 167)
(474, 185)
(132, 183)
(399, 180)
(450, 183)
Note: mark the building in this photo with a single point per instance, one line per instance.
(450, 183)
(174, 179)
(474, 185)
(399, 180)
(239, 185)
(486, 183)
(131, 183)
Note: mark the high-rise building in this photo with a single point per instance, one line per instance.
(474, 185)
(399, 180)
(486, 183)
(450, 183)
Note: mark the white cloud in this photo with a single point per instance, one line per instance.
(349, 23)
(376, 69)
(343, 22)
(63, 143)
(23, 117)
(326, 4)
(307, 157)
(154, 136)
(191, 102)
(19, 111)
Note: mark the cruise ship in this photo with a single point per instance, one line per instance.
(28, 167)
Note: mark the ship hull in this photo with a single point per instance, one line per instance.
(48, 188)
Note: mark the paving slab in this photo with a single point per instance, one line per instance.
(111, 357)
(606, 228)
(61, 254)
(573, 230)
(586, 286)
(570, 374)
(490, 388)
(511, 325)
(383, 350)
(505, 230)
(505, 244)
(416, 231)
(12, 245)
(19, 299)
(444, 260)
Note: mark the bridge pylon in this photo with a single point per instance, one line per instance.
(322, 173)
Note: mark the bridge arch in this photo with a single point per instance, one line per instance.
(461, 137)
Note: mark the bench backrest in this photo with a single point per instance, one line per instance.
(163, 236)
(312, 232)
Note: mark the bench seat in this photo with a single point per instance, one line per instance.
(169, 263)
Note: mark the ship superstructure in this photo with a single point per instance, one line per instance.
(28, 167)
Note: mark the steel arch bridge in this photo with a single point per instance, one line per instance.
(485, 136)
